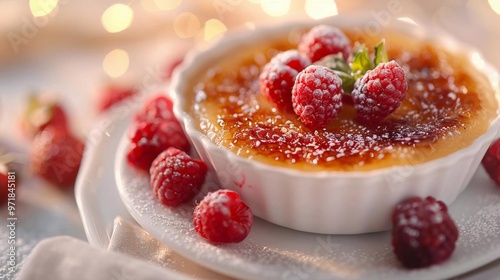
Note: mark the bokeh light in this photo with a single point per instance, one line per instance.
(160, 5)
(317, 9)
(478, 60)
(116, 63)
(117, 18)
(276, 8)
(40, 8)
(408, 20)
(495, 5)
(186, 25)
(213, 28)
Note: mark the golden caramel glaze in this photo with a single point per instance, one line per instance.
(447, 106)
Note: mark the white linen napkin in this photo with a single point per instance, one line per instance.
(133, 254)
(63, 258)
(131, 239)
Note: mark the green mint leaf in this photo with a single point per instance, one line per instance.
(361, 62)
(339, 65)
(348, 81)
(335, 62)
(380, 53)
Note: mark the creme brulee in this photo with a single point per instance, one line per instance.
(447, 106)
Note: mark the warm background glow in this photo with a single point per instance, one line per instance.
(317, 9)
(276, 8)
(117, 18)
(186, 25)
(116, 63)
(40, 8)
(160, 5)
(213, 28)
(495, 5)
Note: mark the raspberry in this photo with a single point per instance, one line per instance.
(317, 96)
(4, 184)
(169, 69)
(43, 112)
(423, 232)
(176, 177)
(491, 161)
(55, 156)
(149, 138)
(293, 59)
(277, 77)
(112, 95)
(158, 107)
(379, 92)
(324, 40)
(221, 217)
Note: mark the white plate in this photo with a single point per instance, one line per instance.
(273, 252)
(95, 191)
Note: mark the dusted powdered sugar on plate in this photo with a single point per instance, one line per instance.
(274, 252)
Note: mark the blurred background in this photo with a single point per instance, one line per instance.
(79, 51)
(74, 48)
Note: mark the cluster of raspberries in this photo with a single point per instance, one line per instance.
(158, 146)
(293, 80)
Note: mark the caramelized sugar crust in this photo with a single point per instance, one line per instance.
(447, 106)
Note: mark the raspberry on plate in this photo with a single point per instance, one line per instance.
(317, 96)
(379, 92)
(176, 177)
(149, 138)
(491, 161)
(221, 217)
(277, 77)
(423, 232)
(324, 40)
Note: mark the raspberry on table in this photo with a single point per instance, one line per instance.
(221, 217)
(176, 177)
(4, 183)
(323, 40)
(379, 92)
(42, 112)
(149, 138)
(423, 232)
(491, 161)
(277, 77)
(55, 155)
(317, 96)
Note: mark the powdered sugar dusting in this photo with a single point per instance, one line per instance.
(484, 225)
(323, 40)
(438, 106)
(273, 252)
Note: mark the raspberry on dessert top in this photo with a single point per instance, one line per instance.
(447, 105)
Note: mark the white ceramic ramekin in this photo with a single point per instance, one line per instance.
(329, 202)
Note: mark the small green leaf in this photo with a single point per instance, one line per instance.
(335, 62)
(380, 53)
(361, 62)
(348, 81)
